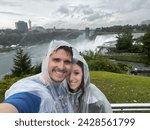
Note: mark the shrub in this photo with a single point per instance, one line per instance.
(22, 63)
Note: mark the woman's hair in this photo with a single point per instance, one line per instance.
(79, 63)
(81, 86)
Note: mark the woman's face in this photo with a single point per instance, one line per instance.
(75, 77)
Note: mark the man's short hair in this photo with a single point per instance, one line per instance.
(67, 49)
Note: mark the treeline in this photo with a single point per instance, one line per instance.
(98, 62)
(120, 29)
(126, 43)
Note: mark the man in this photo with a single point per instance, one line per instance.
(43, 92)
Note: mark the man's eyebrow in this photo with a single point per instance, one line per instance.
(56, 58)
(68, 61)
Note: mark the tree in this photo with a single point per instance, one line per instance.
(22, 63)
(146, 43)
(124, 41)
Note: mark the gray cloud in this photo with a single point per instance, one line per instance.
(8, 3)
(84, 9)
(98, 16)
(63, 10)
(93, 17)
(51, 0)
(75, 13)
(11, 13)
(126, 6)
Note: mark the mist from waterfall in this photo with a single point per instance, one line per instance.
(83, 44)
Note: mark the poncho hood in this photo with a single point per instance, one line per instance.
(54, 45)
(89, 98)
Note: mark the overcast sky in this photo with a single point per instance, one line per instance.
(75, 14)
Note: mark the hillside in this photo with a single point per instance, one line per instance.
(122, 88)
(118, 88)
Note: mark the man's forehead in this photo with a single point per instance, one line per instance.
(60, 51)
(60, 55)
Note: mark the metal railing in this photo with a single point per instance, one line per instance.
(131, 107)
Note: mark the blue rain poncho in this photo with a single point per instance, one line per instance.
(89, 99)
(39, 93)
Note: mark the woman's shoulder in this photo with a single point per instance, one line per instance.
(95, 93)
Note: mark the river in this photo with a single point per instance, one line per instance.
(37, 52)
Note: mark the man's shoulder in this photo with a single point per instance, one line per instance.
(24, 102)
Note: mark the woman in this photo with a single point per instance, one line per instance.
(85, 97)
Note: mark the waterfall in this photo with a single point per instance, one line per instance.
(83, 44)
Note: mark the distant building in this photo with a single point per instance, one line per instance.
(87, 32)
(21, 26)
(29, 24)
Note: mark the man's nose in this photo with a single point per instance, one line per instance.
(61, 65)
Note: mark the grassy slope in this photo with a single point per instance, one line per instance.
(121, 88)
(5, 84)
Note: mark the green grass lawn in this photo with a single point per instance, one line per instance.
(118, 88)
(122, 88)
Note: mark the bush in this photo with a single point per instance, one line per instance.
(37, 68)
(97, 62)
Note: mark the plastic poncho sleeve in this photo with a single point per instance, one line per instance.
(95, 101)
(25, 102)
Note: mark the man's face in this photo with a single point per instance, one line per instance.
(59, 65)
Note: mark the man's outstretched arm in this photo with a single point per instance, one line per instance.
(7, 108)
